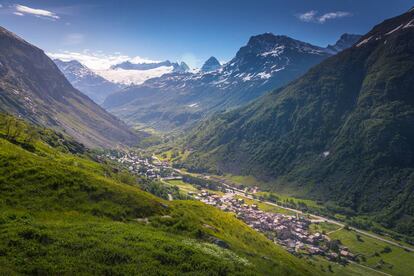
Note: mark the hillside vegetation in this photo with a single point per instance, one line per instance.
(62, 213)
(343, 132)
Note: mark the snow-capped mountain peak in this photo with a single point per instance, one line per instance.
(74, 67)
(181, 68)
(87, 81)
(211, 64)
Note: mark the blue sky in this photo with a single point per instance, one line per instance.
(186, 30)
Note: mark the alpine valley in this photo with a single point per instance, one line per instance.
(286, 158)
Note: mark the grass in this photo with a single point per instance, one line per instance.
(55, 243)
(187, 187)
(173, 155)
(283, 197)
(243, 180)
(182, 185)
(66, 214)
(266, 207)
(330, 268)
(252, 181)
(324, 227)
(396, 262)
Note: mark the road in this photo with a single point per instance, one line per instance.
(332, 221)
(240, 192)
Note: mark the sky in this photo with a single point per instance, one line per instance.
(106, 32)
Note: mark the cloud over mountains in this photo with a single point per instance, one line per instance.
(312, 16)
(22, 10)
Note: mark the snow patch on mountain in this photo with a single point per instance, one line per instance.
(395, 29)
(409, 24)
(365, 41)
(129, 77)
(264, 75)
(275, 52)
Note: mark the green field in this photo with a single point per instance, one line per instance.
(173, 155)
(324, 227)
(182, 185)
(396, 262)
(241, 179)
(325, 266)
(266, 207)
(252, 181)
(285, 198)
(187, 187)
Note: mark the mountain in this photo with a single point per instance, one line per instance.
(177, 100)
(182, 67)
(127, 65)
(65, 214)
(128, 73)
(344, 42)
(341, 133)
(32, 87)
(211, 64)
(85, 80)
(176, 67)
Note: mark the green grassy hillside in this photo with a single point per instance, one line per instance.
(62, 213)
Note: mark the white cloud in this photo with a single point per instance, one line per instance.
(307, 16)
(1, 6)
(138, 60)
(311, 16)
(333, 15)
(18, 13)
(98, 60)
(36, 12)
(73, 39)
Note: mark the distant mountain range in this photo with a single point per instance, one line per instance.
(85, 80)
(342, 133)
(33, 88)
(98, 84)
(176, 67)
(179, 99)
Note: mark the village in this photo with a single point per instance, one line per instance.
(149, 167)
(291, 232)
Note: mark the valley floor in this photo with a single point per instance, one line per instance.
(371, 254)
